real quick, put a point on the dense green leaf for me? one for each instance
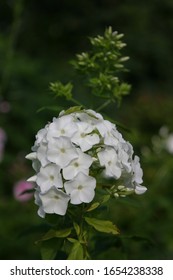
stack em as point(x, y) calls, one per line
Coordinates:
point(102, 225)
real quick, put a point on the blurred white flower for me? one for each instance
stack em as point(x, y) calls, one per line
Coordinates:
point(163, 141)
point(169, 143)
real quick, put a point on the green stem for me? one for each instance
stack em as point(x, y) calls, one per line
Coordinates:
point(104, 105)
point(76, 102)
point(83, 232)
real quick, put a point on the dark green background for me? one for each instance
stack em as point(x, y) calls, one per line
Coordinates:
point(37, 39)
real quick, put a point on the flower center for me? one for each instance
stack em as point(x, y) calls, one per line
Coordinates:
point(51, 177)
point(62, 131)
point(80, 187)
point(62, 150)
point(56, 197)
point(76, 164)
point(82, 135)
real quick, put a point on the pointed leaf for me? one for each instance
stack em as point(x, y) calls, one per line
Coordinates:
point(77, 228)
point(102, 225)
point(56, 233)
point(73, 109)
point(93, 206)
point(76, 252)
point(105, 198)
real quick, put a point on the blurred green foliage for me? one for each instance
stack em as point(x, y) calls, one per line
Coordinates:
point(37, 38)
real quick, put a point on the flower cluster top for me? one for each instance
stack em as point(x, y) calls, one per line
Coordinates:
point(70, 155)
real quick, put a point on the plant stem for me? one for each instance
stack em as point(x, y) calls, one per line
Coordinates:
point(103, 105)
point(76, 102)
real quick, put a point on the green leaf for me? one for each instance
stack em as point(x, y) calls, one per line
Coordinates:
point(48, 249)
point(102, 225)
point(72, 240)
point(77, 228)
point(76, 252)
point(105, 198)
point(93, 206)
point(55, 234)
point(73, 109)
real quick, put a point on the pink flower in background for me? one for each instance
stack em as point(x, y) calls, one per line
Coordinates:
point(2, 142)
point(19, 188)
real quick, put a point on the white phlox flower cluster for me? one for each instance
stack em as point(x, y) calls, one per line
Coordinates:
point(71, 151)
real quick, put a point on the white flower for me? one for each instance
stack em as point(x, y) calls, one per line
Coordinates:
point(93, 113)
point(134, 179)
point(31, 156)
point(81, 188)
point(137, 171)
point(38, 202)
point(41, 134)
point(125, 156)
point(88, 116)
point(71, 148)
point(80, 164)
point(105, 129)
point(32, 179)
point(63, 126)
point(54, 201)
point(48, 177)
point(108, 158)
point(41, 154)
point(84, 138)
point(61, 151)
point(35, 162)
point(140, 189)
